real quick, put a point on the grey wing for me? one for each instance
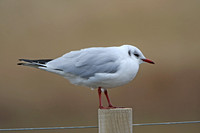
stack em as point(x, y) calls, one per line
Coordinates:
point(87, 62)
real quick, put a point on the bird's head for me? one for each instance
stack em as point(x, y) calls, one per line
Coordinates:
point(137, 55)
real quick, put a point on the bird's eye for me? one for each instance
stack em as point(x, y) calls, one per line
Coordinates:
point(137, 55)
point(129, 52)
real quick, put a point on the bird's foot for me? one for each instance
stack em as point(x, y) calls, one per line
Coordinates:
point(114, 106)
point(101, 107)
point(109, 107)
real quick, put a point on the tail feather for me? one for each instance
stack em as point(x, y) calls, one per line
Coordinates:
point(41, 61)
point(34, 63)
point(40, 64)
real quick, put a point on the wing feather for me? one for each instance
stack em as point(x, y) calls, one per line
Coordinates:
point(87, 62)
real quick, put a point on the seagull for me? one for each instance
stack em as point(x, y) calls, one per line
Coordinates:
point(96, 67)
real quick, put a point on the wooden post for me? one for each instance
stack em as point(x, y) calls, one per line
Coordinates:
point(117, 120)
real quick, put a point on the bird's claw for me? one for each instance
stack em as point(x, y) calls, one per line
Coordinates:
point(109, 107)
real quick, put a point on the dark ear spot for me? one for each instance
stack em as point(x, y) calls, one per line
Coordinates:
point(129, 53)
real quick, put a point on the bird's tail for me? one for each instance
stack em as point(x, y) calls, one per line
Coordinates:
point(34, 63)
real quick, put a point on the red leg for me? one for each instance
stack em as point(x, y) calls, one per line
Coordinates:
point(109, 103)
point(99, 92)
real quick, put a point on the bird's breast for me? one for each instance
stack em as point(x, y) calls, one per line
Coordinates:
point(128, 70)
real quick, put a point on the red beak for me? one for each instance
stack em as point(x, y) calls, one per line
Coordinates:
point(148, 61)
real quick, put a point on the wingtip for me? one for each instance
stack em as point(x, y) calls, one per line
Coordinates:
point(20, 63)
point(23, 60)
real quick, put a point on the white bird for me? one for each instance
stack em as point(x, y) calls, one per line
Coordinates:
point(96, 67)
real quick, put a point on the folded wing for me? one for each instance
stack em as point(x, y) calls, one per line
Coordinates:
point(87, 62)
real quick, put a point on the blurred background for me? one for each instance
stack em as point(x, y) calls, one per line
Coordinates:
point(166, 31)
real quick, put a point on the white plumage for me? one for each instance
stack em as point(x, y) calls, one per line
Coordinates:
point(98, 67)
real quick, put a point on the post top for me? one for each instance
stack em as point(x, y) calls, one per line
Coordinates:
point(116, 109)
point(116, 120)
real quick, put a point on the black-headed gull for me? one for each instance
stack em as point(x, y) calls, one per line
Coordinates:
point(96, 67)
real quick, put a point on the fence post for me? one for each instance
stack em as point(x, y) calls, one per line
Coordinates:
point(117, 120)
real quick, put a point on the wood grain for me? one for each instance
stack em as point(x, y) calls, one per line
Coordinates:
point(117, 120)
